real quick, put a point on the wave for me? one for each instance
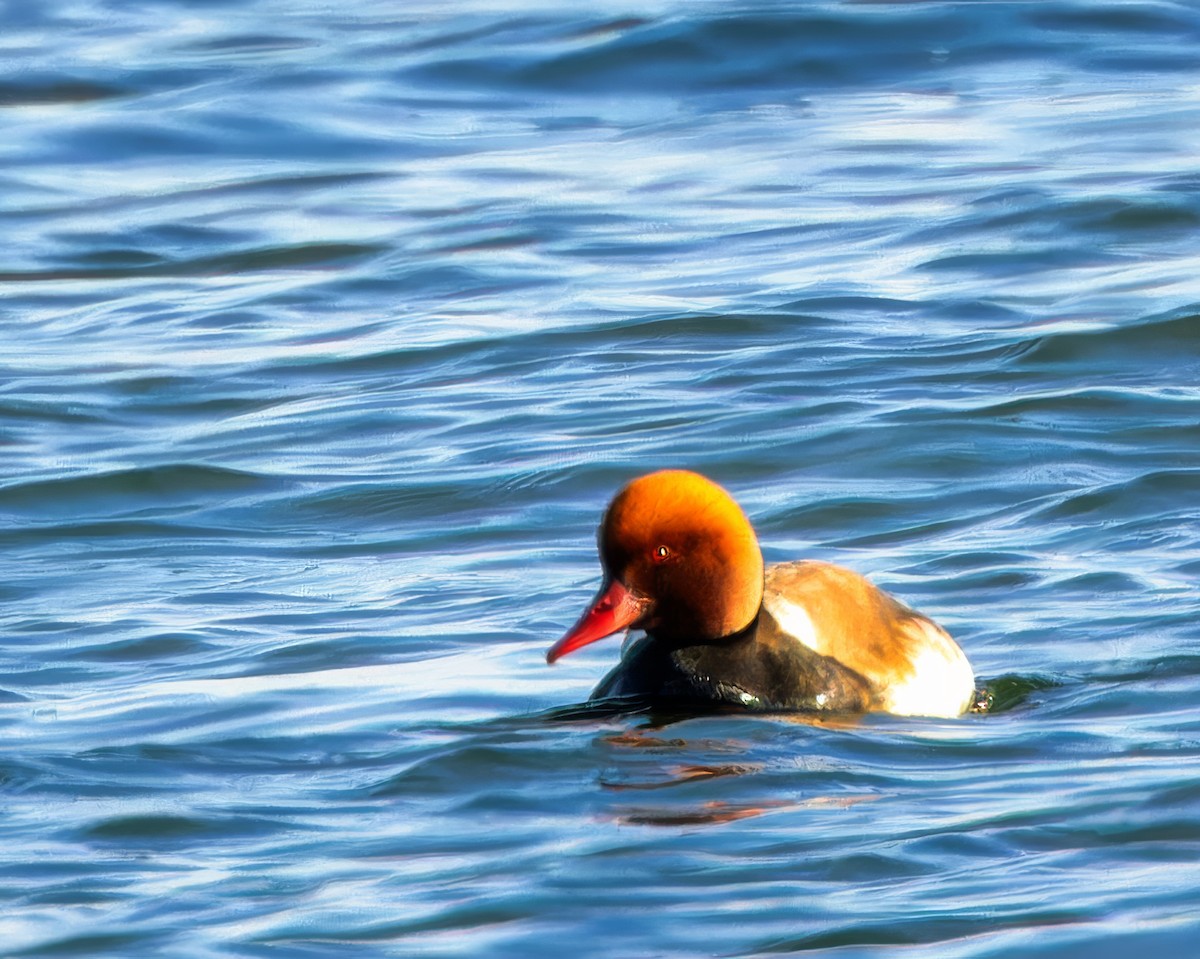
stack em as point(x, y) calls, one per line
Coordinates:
point(745, 46)
point(136, 490)
point(1172, 339)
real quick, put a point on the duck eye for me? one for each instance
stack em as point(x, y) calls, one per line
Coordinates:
point(661, 554)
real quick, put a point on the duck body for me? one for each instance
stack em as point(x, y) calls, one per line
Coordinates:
point(682, 562)
point(826, 639)
point(760, 668)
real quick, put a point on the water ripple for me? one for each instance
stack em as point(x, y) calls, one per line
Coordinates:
point(327, 338)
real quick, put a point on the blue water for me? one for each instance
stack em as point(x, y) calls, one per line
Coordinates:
point(326, 333)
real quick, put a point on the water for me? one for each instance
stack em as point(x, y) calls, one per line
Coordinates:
point(327, 334)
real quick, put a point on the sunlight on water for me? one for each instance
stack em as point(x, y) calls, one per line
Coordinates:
point(328, 336)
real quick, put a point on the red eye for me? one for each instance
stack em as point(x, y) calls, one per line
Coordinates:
point(661, 554)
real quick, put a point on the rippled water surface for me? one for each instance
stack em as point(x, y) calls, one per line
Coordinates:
point(328, 331)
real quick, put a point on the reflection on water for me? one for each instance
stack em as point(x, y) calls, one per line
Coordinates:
point(327, 336)
point(712, 813)
point(651, 767)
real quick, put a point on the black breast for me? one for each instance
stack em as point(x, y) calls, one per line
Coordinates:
point(759, 668)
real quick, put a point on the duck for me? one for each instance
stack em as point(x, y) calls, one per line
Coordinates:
point(682, 563)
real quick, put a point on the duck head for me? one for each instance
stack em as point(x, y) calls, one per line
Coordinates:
point(680, 561)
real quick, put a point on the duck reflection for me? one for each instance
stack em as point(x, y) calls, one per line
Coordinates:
point(644, 762)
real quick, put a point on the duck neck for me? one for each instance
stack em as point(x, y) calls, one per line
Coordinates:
point(668, 639)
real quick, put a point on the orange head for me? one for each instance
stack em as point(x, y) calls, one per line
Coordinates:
point(680, 560)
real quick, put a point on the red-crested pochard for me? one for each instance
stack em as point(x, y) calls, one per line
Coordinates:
point(681, 562)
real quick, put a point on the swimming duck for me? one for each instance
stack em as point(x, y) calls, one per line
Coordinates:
point(682, 562)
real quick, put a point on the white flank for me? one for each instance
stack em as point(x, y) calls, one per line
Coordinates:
point(793, 619)
point(941, 684)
